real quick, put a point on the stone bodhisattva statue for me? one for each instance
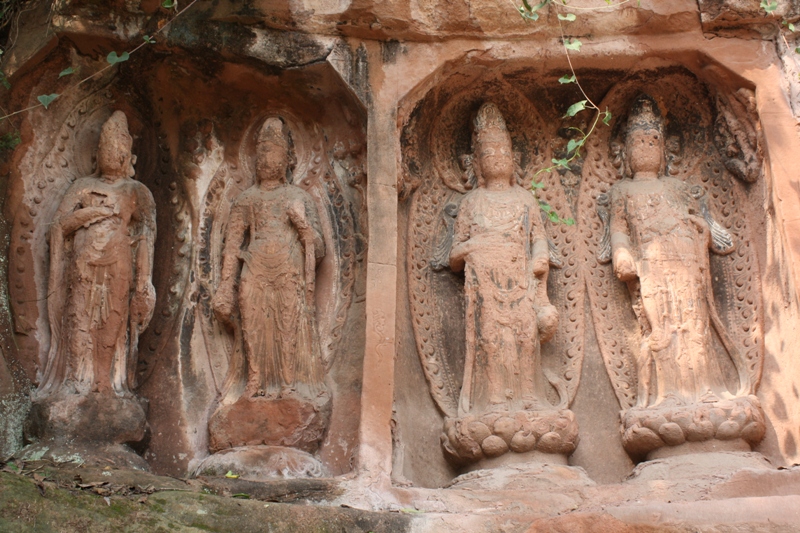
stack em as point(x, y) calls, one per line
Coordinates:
point(661, 234)
point(275, 405)
point(500, 244)
point(100, 299)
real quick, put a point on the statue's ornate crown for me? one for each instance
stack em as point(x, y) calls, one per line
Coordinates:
point(489, 122)
point(272, 132)
point(645, 114)
point(115, 129)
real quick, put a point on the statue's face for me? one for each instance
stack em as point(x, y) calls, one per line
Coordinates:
point(272, 161)
point(114, 158)
point(495, 159)
point(645, 150)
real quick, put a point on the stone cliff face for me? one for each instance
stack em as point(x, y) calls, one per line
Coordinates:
point(365, 290)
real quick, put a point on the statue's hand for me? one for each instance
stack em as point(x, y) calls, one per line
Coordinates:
point(142, 305)
point(222, 303)
point(90, 215)
point(546, 322)
point(541, 265)
point(624, 267)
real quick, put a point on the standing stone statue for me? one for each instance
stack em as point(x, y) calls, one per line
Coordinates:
point(499, 243)
point(100, 298)
point(274, 397)
point(661, 233)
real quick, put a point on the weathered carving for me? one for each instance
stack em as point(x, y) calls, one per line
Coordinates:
point(435, 140)
point(100, 299)
point(738, 134)
point(502, 396)
point(658, 236)
point(274, 393)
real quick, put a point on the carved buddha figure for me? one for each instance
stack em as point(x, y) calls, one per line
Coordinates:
point(500, 244)
point(272, 246)
point(101, 260)
point(661, 234)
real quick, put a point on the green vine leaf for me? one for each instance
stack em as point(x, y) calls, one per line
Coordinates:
point(66, 72)
point(575, 108)
point(529, 12)
point(573, 144)
point(573, 44)
point(567, 78)
point(149, 40)
point(768, 6)
point(537, 184)
point(169, 4)
point(113, 58)
point(563, 163)
point(569, 17)
point(606, 117)
point(46, 99)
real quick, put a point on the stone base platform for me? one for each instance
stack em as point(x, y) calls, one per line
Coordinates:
point(262, 463)
point(471, 438)
point(648, 429)
point(95, 417)
point(290, 421)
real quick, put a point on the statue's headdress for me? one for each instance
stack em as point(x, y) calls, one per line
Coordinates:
point(114, 130)
point(115, 145)
point(489, 123)
point(645, 114)
point(272, 132)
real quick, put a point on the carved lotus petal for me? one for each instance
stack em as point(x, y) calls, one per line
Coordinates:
point(494, 446)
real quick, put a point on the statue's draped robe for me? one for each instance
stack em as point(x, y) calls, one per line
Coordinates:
point(671, 295)
point(280, 348)
point(92, 277)
point(502, 366)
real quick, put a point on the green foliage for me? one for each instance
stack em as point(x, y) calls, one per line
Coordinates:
point(66, 72)
point(149, 40)
point(576, 108)
point(531, 12)
point(169, 4)
point(8, 142)
point(768, 6)
point(113, 58)
point(46, 99)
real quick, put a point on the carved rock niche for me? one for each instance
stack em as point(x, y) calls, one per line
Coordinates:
point(687, 385)
point(198, 154)
point(83, 230)
point(280, 241)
